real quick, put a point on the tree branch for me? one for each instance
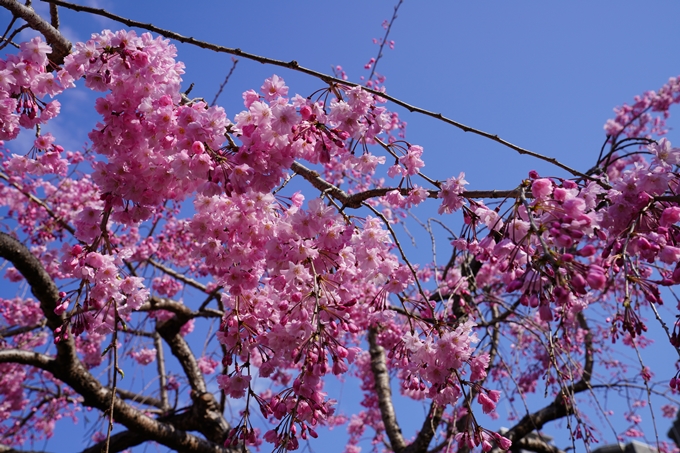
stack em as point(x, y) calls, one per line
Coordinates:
point(68, 368)
point(137, 398)
point(177, 275)
point(60, 45)
point(157, 303)
point(42, 286)
point(6, 449)
point(382, 389)
point(118, 442)
point(54, 16)
point(211, 421)
point(354, 201)
point(31, 358)
point(536, 444)
point(11, 331)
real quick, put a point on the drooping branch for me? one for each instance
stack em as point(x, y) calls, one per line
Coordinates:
point(295, 66)
point(226, 80)
point(60, 45)
point(561, 405)
point(384, 392)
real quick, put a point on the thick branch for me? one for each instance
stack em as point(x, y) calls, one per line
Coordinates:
point(211, 422)
point(293, 65)
point(42, 286)
point(6, 449)
point(382, 389)
point(31, 358)
point(118, 442)
point(60, 45)
point(537, 445)
point(54, 16)
point(169, 331)
point(12, 331)
point(158, 303)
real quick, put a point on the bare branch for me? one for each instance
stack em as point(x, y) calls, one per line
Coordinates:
point(141, 399)
point(354, 201)
point(31, 358)
point(384, 392)
point(54, 16)
point(11, 331)
point(60, 45)
point(162, 380)
point(536, 444)
point(118, 442)
point(177, 275)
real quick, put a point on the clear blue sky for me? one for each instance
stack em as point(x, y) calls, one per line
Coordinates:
point(543, 75)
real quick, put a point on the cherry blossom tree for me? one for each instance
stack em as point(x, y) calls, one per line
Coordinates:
point(543, 283)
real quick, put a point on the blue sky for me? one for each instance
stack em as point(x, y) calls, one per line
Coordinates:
point(543, 75)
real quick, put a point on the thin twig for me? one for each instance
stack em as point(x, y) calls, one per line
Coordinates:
point(226, 80)
point(384, 40)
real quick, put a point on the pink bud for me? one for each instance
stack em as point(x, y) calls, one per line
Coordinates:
point(503, 442)
point(305, 112)
point(588, 250)
point(545, 313)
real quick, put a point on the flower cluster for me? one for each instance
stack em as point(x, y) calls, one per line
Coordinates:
point(24, 81)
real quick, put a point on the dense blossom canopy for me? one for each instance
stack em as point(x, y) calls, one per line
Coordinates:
point(302, 286)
